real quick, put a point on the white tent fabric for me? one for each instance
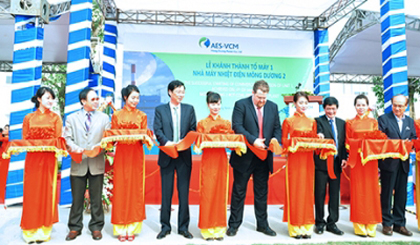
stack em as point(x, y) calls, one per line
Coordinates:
point(362, 54)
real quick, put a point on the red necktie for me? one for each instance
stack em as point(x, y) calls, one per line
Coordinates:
point(260, 123)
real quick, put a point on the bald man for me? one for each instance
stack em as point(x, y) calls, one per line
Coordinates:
point(394, 172)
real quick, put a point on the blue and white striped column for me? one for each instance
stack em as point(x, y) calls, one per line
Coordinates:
point(394, 50)
point(26, 79)
point(410, 180)
point(78, 61)
point(322, 65)
point(109, 58)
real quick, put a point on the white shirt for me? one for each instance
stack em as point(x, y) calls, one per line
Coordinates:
point(174, 119)
point(400, 122)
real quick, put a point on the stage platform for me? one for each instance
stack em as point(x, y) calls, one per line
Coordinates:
point(10, 232)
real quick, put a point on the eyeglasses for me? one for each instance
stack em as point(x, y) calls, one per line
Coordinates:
point(95, 99)
point(398, 106)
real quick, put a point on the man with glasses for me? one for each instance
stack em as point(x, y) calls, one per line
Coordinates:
point(83, 131)
point(394, 172)
point(172, 122)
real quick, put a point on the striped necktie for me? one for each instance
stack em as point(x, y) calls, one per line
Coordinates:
point(88, 121)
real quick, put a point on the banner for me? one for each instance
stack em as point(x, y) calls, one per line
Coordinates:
point(228, 65)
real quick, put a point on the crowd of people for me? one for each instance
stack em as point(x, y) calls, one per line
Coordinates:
point(254, 117)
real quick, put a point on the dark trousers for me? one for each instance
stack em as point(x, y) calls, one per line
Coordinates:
point(321, 181)
point(78, 188)
point(260, 171)
point(390, 181)
point(183, 173)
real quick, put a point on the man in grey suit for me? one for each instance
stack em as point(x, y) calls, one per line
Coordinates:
point(83, 131)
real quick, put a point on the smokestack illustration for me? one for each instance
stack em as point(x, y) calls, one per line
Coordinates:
point(133, 74)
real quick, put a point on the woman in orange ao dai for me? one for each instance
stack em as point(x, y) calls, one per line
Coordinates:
point(40, 202)
point(365, 203)
point(213, 175)
point(128, 206)
point(300, 171)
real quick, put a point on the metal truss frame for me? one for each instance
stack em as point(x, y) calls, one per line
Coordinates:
point(5, 7)
point(351, 78)
point(412, 23)
point(47, 67)
point(359, 21)
point(355, 78)
point(108, 7)
point(55, 9)
point(6, 66)
point(277, 22)
point(60, 8)
point(337, 11)
point(232, 20)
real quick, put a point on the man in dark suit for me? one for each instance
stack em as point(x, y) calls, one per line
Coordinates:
point(329, 127)
point(394, 172)
point(171, 124)
point(258, 120)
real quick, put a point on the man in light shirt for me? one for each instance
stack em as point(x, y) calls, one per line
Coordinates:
point(394, 172)
point(173, 121)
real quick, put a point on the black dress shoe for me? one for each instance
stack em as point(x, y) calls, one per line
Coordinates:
point(209, 239)
point(306, 236)
point(319, 229)
point(186, 234)
point(163, 234)
point(334, 229)
point(267, 230)
point(298, 237)
point(361, 235)
point(219, 238)
point(231, 231)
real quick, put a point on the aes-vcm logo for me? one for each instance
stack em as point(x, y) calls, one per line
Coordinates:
point(206, 43)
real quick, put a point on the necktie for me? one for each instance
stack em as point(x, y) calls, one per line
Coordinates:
point(260, 123)
point(88, 121)
point(333, 130)
point(176, 129)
